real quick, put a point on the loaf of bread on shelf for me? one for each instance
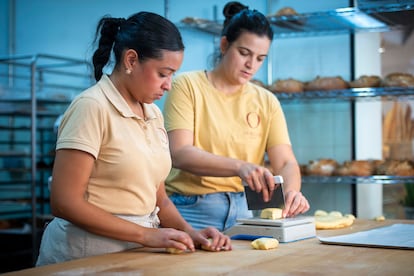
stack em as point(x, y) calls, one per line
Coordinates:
point(356, 168)
point(396, 167)
point(399, 80)
point(194, 20)
point(326, 83)
point(366, 81)
point(289, 85)
point(286, 11)
point(321, 167)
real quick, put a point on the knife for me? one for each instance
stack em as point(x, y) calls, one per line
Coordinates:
point(255, 200)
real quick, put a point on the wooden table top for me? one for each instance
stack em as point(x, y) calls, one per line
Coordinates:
point(306, 257)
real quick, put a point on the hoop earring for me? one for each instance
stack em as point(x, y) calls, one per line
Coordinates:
point(128, 71)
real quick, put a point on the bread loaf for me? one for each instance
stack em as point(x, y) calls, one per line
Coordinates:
point(326, 83)
point(322, 167)
point(286, 11)
point(366, 81)
point(287, 86)
point(355, 168)
point(399, 80)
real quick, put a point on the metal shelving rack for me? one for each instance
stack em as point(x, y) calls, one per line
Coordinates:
point(34, 91)
point(339, 21)
point(350, 94)
point(369, 16)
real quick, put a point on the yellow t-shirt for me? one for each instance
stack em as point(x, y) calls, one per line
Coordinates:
point(132, 155)
point(242, 126)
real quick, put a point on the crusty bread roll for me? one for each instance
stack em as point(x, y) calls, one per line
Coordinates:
point(286, 11)
point(322, 167)
point(326, 83)
point(366, 81)
point(355, 168)
point(399, 79)
point(194, 20)
point(396, 167)
point(287, 86)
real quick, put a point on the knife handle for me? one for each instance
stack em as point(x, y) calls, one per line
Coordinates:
point(277, 178)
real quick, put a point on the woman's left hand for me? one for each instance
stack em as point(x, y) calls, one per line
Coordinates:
point(295, 204)
point(211, 239)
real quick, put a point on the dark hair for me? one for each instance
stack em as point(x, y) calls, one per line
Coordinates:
point(239, 18)
point(145, 32)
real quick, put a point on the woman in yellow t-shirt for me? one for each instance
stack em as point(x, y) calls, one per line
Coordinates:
point(221, 125)
point(112, 154)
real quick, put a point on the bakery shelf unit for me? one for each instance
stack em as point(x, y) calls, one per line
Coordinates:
point(34, 91)
point(366, 18)
point(352, 94)
point(374, 179)
point(369, 16)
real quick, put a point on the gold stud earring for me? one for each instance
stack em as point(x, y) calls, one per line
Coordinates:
point(128, 71)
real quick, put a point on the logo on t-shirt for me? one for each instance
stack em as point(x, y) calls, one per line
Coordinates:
point(253, 119)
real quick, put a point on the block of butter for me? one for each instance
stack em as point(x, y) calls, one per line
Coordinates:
point(271, 213)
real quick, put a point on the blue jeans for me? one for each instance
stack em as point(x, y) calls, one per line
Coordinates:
point(220, 210)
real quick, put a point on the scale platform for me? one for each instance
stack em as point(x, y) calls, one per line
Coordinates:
point(284, 230)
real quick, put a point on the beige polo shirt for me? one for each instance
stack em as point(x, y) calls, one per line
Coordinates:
point(132, 155)
point(242, 126)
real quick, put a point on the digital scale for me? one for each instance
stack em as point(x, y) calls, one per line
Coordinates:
point(284, 230)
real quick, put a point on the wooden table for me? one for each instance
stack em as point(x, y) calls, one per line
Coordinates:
point(306, 257)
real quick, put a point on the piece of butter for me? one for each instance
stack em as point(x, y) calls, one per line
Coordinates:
point(271, 213)
point(265, 243)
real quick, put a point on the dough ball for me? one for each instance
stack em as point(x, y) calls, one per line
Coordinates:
point(351, 216)
point(335, 214)
point(265, 243)
point(379, 218)
point(319, 213)
point(332, 220)
point(208, 247)
point(173, 250)
point(329, 222)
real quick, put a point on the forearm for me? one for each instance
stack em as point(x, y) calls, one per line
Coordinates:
point(200, 162)
point(283, 162)
point(291, 175)
point(170, 216)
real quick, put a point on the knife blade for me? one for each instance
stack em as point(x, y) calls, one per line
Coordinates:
point(255, 200)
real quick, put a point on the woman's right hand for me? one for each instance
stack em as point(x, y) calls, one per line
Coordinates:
point(167, 238)
point(258, 178)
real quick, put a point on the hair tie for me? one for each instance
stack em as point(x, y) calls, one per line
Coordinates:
point(121, 21)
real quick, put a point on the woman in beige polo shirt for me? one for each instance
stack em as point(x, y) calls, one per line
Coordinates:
point(112, 153)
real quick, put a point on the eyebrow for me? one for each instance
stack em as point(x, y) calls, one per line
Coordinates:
point(250, 51)
point(168, 68)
